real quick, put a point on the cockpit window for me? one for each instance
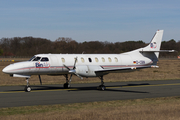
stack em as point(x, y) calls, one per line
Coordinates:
point(37, 59)
point(32, 58)
point(44, 59)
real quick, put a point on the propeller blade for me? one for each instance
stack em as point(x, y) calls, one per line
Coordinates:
point(79, 76)
point(70, 78)
point(75, 63)
point(66, 66)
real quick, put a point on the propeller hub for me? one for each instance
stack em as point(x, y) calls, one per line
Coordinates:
point(72, 71)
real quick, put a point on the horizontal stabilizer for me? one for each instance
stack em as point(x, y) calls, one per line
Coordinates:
point(154, 66)
point(159, 51)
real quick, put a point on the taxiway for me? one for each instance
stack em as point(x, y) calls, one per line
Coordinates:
point(14, 96)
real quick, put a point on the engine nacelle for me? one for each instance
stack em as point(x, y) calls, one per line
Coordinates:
point(18, 75)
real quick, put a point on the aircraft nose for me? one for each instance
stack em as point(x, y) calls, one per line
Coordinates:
point(5, 70)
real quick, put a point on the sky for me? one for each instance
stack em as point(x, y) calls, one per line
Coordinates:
point(90, 20)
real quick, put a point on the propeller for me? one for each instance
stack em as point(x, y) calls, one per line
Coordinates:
point(73, 71)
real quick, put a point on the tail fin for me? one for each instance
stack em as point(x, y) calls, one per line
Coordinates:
point(155, 43)
point(152, 50)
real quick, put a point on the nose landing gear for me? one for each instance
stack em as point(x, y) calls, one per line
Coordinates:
point(27, 87)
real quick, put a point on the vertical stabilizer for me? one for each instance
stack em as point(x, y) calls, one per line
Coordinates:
point(155, 44)
point(152, 50)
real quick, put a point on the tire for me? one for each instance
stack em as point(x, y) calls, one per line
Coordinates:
point(101, 87)
point(66, 86)
point(27, 88)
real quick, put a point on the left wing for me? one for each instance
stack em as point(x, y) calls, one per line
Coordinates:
point(123, 69)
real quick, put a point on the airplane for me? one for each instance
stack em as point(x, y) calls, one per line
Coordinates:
point(87, 65)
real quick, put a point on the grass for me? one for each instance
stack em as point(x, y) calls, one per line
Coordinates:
point(151, 108)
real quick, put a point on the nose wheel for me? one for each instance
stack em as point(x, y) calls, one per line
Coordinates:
point(27, 87)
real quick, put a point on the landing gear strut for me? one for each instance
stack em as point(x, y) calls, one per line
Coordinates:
point(67, 84)
point(27, 87)
point(101, 87)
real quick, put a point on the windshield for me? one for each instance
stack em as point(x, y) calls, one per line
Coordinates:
point(37, 59)
point(34, 58)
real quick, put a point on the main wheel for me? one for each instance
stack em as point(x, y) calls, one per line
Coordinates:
point(27, 89)
point(101, 87)
point(66, 85)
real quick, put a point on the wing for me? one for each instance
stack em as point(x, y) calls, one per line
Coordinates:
point(123, 69)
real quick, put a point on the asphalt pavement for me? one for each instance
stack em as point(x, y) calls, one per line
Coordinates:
point(14, 96)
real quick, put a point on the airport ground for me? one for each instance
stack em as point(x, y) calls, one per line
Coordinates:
point(148, 108)
point(138, 109)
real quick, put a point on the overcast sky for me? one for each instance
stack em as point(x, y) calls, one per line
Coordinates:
point(90, 20)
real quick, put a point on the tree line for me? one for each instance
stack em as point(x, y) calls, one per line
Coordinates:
point(29, 46)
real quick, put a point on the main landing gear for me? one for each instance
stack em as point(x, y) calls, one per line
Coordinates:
point(101, 87)
point(27, 87)
point(67, 84)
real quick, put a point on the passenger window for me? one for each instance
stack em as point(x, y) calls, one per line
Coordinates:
point(116, 60)
point(44, 59)
point(63, 60)
point(37, 59)
point(89, 59)
point(82, 59)
point(103, 59)
point(109, 59)
point(96, 59)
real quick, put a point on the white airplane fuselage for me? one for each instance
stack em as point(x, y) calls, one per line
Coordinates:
point(86, 64)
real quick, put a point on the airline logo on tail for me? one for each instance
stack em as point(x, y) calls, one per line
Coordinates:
point(153, 45)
